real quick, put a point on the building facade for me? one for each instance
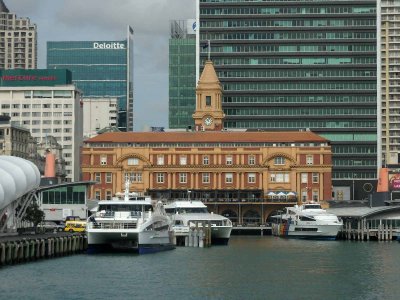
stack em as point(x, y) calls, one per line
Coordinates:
point(47, 103)
point(18, 41)
point(290, 65)
point(388, 30)
point(212, 165)
point(15, 140)
point(182, 73)
point(100, 69)
point(99, 113)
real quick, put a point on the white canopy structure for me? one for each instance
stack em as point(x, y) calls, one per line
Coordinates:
point(18, 176)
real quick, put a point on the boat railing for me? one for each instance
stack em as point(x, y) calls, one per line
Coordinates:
point(112, 225)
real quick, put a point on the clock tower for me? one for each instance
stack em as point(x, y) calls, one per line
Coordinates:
point(208, 114)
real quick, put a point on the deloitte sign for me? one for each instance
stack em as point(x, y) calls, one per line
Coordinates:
point(112, 45)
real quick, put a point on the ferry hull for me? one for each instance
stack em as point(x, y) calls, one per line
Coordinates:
point(220, 235)
point(323, 232)
point(140, 242)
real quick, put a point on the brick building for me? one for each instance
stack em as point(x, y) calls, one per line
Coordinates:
point(259, 169)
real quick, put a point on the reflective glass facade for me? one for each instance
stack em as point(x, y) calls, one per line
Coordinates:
point(182, 75)
point(182, 78)
point(296, 64)
point(100, 69)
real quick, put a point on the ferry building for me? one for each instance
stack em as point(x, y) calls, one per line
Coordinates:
point(236, 173)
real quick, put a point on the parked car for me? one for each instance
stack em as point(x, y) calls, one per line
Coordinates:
point(50, 226)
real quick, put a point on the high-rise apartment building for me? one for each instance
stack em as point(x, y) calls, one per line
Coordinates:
point(100, 69)
point(18, 41)
point(182, 73)
point(293, 65)
point(48, 104)
point(388, 29)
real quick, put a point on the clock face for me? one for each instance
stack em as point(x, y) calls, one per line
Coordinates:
point(208, 121)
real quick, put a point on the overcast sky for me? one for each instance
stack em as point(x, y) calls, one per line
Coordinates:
point(74, 20)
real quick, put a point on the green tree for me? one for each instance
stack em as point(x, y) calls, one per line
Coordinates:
point(33, 214)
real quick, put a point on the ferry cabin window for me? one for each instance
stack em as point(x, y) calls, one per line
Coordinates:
point(192, 210)
point(312, 206)
point(170, 210)
point(304, 218)
point(125, 207)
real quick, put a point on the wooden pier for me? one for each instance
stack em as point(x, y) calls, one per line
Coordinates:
point(21, 249)
point(363, 231)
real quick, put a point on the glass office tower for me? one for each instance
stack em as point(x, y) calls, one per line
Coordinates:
point(293, 65)
point(100, 69)
point(182, 74)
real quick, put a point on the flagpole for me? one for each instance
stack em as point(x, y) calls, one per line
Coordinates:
point(209, 50)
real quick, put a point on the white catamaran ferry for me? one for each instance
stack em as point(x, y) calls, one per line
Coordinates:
point(131, 223)
point(188, 213)
point(307, 221)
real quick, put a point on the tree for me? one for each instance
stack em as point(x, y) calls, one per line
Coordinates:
point(33, 214)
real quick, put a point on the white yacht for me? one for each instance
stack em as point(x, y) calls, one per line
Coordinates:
point(307, 221)
point(187, 213)
point(131, 223)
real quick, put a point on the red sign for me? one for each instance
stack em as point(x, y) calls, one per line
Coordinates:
point(27, 78)
point(52, 209)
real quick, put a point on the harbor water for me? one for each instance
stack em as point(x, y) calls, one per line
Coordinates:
point(250, 267)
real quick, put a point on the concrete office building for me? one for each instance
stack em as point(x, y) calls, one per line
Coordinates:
point(47, 103)
point(100, 69)
point(293, 65)
point(18, 41)
point(182, 73)
point(99, 113)
point(388, 30)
